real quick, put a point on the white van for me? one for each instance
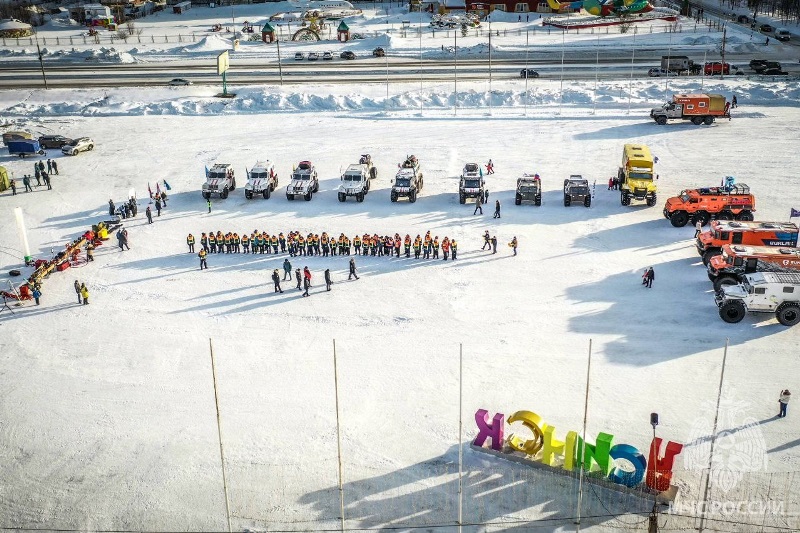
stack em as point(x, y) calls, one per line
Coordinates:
point(782, 34)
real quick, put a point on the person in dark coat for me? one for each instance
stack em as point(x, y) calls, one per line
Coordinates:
point(494, 244)
point(299, 278)
point(352, 269)
point(13, 185)
point(276, 280)
point(149, 214)
point(47, 181)
point(287, 269)
point(783, 401)
point(38, 175)
point(478, 204)
point(306, 285)
point(55, 167)
point(111, 208)
point(41, 166)
point(328, 281)
point(497, 209)
point(26, 181)
point(78, 291)
point(164, 198)
point(158, 206)
point(649, 276)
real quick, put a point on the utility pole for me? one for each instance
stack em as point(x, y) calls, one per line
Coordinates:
point(722, 68)
point(41, 62)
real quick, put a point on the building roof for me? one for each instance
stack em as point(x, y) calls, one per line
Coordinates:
point(13, 24)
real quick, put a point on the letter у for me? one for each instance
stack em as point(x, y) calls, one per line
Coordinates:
point(493, 430)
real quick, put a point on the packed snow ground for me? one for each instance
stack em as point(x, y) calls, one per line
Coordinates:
point(107, 410)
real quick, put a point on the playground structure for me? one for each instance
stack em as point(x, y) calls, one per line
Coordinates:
point(312, 25)
point(583, 21)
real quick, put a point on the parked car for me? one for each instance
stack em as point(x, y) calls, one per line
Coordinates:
point(763, 65)
point(658, 72)
point(347, 54)
point(782, 34)
point(53, 141)
point(716, 67)
point(379, 52)
point(528, 73)
point(81, 144)
point(766, 28)
point(743, 19)
point(774, 72)
point(327, 55)
point(299, 56)
point(313, 56)
point(179, 81)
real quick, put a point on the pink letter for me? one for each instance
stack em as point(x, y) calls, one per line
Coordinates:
point(486, 430)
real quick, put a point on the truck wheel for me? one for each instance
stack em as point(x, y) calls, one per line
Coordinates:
point(788, 313)
point(701, 216)
point(307, 197)
point(206, 195)
point(517, 200)
point(290, 197)
point(412, 196)
point(360, 197)
point(661, 120)
point(267, 193)
point(725, 215)
point(723, 281)
point(373, 173)
point(248, 194)
point(708, 121)
point(316, 187)
point(732, 311)
point(224, 193)
point(652, 201)
point(537, 201)
point(708, 254)
point(587, 201)
point(697, 120)
point(567, 201)
point(625, 199)
point(679, 219)
point(393, 196)
point(366, 188)
point(233, 184)
point(462, 199)
point(745, 215)
point(342, 197)
point(420, 183)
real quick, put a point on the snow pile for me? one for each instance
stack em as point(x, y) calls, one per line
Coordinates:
point(102, 54)
point(212, 43)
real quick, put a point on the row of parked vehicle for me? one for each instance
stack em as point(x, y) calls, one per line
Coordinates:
point(22, 144)
point(327, 55)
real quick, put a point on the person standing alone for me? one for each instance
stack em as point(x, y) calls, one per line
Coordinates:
point(649, 276)
point(478, 204)
point(352, 269)
point(783, 402)
point(497, 209)
point(276, 280)
point(328, 281)
point(85, 294)
point(78, 291)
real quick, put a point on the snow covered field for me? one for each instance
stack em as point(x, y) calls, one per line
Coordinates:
point(107, 417)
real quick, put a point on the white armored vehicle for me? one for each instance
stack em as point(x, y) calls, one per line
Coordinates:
point(304, 182)
point(261, 179)
point(762, 292)
point(219, 180)
point(366, 159)
point(408, 180)
point(471, 184)
point(355, 182)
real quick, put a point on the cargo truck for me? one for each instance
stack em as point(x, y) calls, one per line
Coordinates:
point(699, 108)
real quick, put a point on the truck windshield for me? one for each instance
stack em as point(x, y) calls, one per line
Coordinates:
point(579, 190)
point(298, 176)
point(352, 177)
point(403, 182)
point(640, 176)
point(258, 175)
point(527, 188)
point(727, 258)
point(472, 184)
point(684, 196)
point(220, 175)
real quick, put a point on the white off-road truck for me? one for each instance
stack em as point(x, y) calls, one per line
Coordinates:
point(408, 180)
point(304, 182)
point(762, 292)
point(219, 180)
point(471, 183)
point(261, 179)
point(355, 182)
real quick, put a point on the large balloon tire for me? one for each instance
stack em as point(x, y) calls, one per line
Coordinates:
point(732, 311)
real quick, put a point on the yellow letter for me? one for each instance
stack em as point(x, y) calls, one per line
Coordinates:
point(533, 422)
point(569, 451)
point(552, 446)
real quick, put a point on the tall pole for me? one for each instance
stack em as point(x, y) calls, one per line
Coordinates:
point(527, 40)
point(386, 57)
point(703, 71)
point(41, 61)
point(713, 438)
point(669, 54)
point(280, 68)
point(722, 68)
point(460, 436)
point(561, 89)
point(455, 72)
point(490, 66)
point(630, 84)
point(583, 441)
point(219, 436)
point(420, 60)
point(338, 435)
point(596, 74)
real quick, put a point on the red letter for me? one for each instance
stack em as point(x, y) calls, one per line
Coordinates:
point(659, 469)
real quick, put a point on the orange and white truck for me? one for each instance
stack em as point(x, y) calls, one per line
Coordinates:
point(710, 203)
point(737, 260)
point(699, 108)
point(722, 232)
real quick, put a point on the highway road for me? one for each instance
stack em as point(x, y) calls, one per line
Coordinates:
point(369, 70)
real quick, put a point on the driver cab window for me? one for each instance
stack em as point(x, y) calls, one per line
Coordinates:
point(737, 238)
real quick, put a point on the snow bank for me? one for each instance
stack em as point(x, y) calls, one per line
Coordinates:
point(212, 43)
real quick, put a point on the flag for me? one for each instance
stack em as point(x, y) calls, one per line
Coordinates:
point(158, 190)
point(794, 213)
point(206, 170)
point(481, 171)
point(149, 190)
point(166, 186)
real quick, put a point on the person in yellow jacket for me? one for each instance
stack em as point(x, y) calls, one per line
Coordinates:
point(454, 248)
point(212, 242)
point(85, 294)
point(190, 242)
point(417, 246)
point(436, 247)
point(274, 241)
point(513, 244)
point(246, 243)
point(202, 256)
point(237, 248)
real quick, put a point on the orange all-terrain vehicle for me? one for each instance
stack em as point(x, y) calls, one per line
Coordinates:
point(737, 260)
point(722, 232)
point(710, 203)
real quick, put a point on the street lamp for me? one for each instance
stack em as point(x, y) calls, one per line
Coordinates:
point(41, 62)
point(653, 520)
